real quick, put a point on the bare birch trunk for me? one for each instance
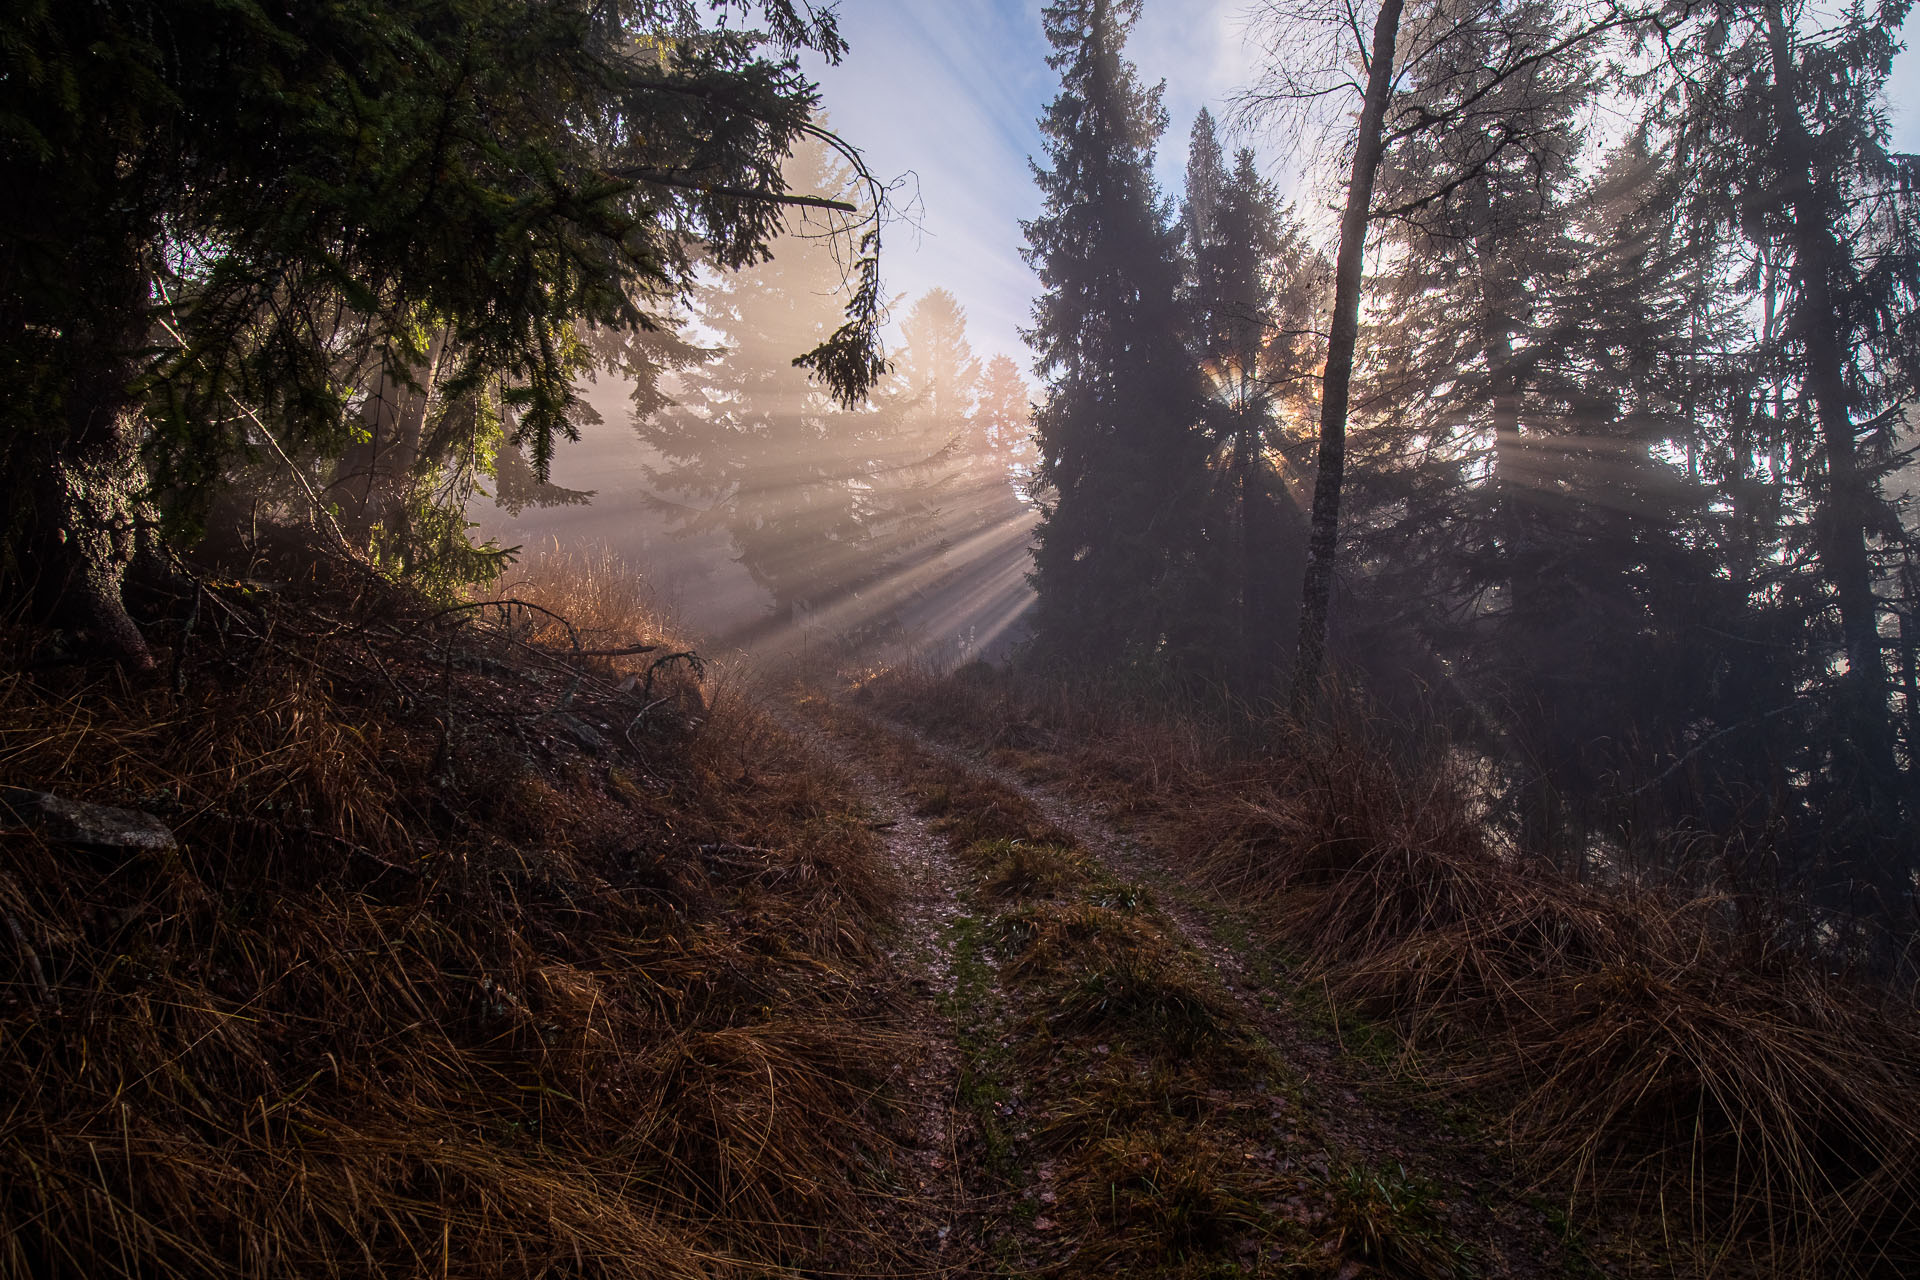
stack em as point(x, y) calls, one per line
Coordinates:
point(1336, 382)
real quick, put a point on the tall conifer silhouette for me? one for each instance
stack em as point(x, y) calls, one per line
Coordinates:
point(1253, 289)
point(754, 446)
point(1120, 452)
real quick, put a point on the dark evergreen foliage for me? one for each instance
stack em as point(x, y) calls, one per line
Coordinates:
point(1621, 493)
point(1121, 454)
point(208, 209)
point(1254, 293)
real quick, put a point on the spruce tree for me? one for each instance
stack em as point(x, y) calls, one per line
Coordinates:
point(1781, 110)
point(950, 524)
point(928, 466)
point(207, 206)
point(914, 499)
point(1251, 297)
point(1819, 193)
point(1120, 452)
point(1003, 418)
point(936, 362)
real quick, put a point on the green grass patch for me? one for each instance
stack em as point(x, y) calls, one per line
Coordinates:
point(1395, 1220)
point(1012, 869)
point(986, 1068)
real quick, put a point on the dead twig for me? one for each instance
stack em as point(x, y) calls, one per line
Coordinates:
point(47, 997)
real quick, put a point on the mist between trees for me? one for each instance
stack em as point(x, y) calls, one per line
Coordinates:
point(1588, 437)
point(867, 525)
point(778, 518)
point(1586, 440)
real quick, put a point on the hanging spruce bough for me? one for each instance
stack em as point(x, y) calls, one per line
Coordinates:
point(208, 209)
point(1121, 458)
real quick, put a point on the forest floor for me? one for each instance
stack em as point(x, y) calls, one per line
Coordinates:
point(1119, 1079)
point(485, 943)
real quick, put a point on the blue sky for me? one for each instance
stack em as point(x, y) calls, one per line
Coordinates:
point(948, 91)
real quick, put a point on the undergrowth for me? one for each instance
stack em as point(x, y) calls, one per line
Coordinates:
point(1648, 1050)
point(475, 956)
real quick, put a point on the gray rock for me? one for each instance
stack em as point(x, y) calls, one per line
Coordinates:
point(91, 826)
point(583, 734)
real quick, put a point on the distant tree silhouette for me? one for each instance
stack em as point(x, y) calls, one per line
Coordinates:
point(753, 445)
point(1121, 456)
point(1252, 298)
point(915, 497)
point(1003, 418)
point(925, 464)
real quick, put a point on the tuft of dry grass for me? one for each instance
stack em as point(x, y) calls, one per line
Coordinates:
point(432, 983)
point(1171, 1192)
point(1647, 1052)
point(1019, 869)
point(1393, 1219)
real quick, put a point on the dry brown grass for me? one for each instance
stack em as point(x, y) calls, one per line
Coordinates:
point(1756, 1110)
point(1128, 1095)
point(428, 988)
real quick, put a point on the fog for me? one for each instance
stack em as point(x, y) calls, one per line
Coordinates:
point(769, 518)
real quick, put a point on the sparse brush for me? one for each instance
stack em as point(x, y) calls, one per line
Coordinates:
point(1135, 994)
point(604, 597)
point(1044, 939)
point(1394, 1220)
point(429, 987)
point(1780, 1114)
point(763, 1123)
point(1165, 1195)
point(1018, 869)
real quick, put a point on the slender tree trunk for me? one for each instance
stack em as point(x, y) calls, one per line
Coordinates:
point(1252, 597)
point(1867, 761)
point(1509, 465)
point(1909, 581)
point(1336, 382)
point(372, 477)
point(1910, 687)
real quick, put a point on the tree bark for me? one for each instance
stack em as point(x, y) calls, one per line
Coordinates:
point(1252, 593)
point(1336, 381)
point(1910, 670)
point(93, 519)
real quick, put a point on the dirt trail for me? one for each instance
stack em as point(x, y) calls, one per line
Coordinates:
point(1356, 1115)
point(1357, 1107)
point(940, 1201)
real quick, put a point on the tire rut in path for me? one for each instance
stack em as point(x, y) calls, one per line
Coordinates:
point(938, 1204)
point(1515, 1238)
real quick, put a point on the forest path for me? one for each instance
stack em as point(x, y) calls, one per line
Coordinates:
point(1335, 1168)
point(939, 1202)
